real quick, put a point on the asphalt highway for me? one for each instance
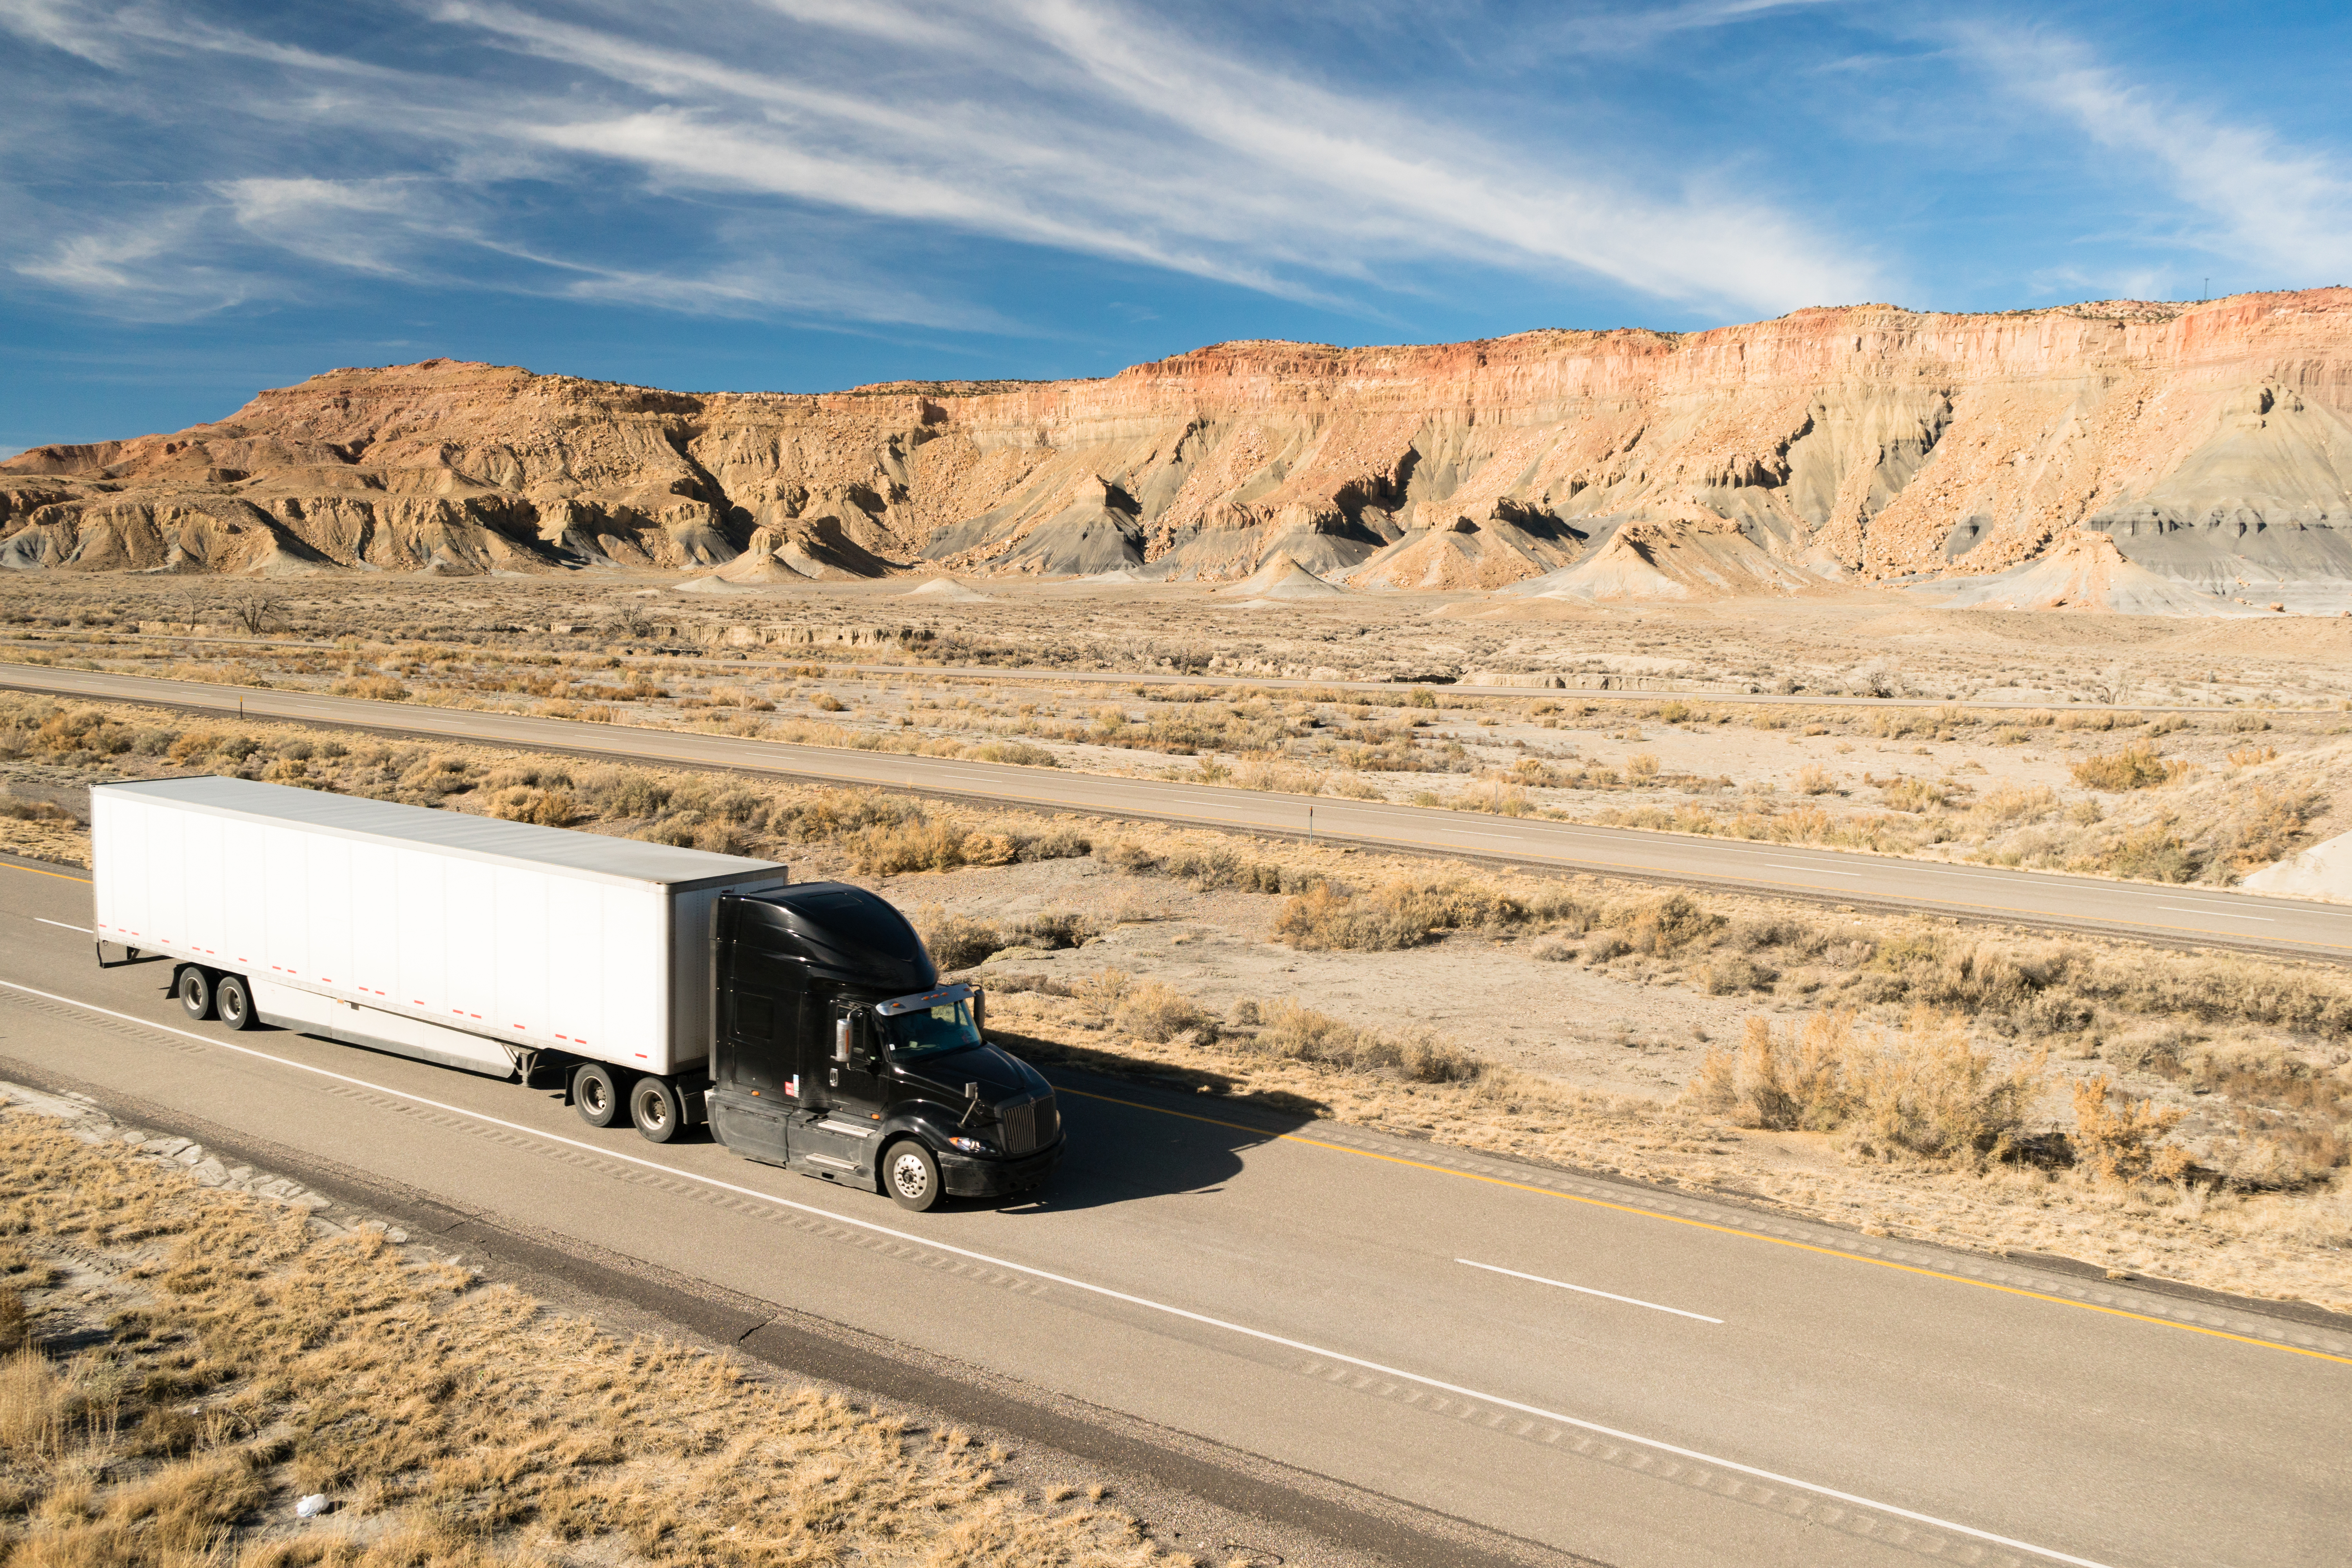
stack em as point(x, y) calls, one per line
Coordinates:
point(2181, 916)
point(1640, 1377)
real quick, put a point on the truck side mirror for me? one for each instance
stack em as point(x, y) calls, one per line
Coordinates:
point(980, 1011)
point(841, 1027)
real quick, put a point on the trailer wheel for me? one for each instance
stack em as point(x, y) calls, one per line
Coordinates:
point(596, 1095)
point(910, 1175)
point(196, 993)
point(653, 1106)
point(233, 1002)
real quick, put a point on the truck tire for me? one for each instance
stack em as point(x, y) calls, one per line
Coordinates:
point(196, 993)
point(596, 1095)
point(910, 1175)
point(653, 1107)
point(234, 1002)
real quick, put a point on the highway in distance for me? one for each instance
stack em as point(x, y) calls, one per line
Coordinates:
point(1642, 1377)
point(2177, 915)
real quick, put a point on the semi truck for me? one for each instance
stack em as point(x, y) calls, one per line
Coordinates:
point(803, 1024)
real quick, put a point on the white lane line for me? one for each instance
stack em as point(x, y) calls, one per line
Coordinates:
point(1587, 1289)
point(1261, 1335)
point(2219, 914)
point(1809, 870)
point(61, 925)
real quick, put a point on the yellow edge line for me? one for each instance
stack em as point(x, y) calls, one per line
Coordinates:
point(1640, 1213)
point(37, 872)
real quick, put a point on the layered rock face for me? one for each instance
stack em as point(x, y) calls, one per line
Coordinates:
point(2212, 442)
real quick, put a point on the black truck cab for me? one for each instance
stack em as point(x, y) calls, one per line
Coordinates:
point(837, 1053)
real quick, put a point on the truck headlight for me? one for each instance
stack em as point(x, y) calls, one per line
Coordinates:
point(972, 1145)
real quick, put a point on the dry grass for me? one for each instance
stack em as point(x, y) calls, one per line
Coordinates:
point(2133, 767)
point(250, 1362)
point(1923, 1091)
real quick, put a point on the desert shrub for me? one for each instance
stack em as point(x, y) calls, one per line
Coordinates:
point(1288, 1029)
point(1923, 1091)
point(955, 940)
point(1782, 1080)
point(826, 702)
point(1815, 779)
point(2118, 1138)
point(1404, 914)
point(1055, 929)
point(1669, 925)
point(1735, 972)
point(23, 810)
point(2133, 767)
point(1019, 751)
point(1155, 1011)
point(1642, 766)
point(1061, 844)
point(377, 688)
point(1913, 794)
point(920, 846)
point(625, 792)
point(1930, 1093)
point(2148, 854)
point(2011, 805)
point(2264, 824)
point(523, 803)
point(1323, 918)
point(1498, 795)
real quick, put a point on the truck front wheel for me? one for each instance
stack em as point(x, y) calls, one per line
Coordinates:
point(653, 1106)
point(233, 1002)
point(596, 1095)
point(196, 993)
point(910, 1175)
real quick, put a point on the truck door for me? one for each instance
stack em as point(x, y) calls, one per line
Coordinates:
point(755, 1054)
point(837, 1141)
point(854, 1075)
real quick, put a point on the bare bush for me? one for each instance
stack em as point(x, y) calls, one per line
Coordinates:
point(1923, 1091)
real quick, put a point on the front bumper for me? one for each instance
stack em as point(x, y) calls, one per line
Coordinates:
point(978, 1177)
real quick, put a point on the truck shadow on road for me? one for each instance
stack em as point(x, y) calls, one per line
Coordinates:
point(1141, 1130)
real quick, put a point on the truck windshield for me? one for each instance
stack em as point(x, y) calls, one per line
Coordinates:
point(927, 1031)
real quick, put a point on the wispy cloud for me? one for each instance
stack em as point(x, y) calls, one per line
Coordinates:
point(2248, 195)
point(1073, 125)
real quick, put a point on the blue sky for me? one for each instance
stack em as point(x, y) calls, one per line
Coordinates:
point(203, 199)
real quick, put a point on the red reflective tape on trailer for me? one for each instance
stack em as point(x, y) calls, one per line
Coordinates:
point(640, 1056)
point(518, 1026)
point(562, 1037)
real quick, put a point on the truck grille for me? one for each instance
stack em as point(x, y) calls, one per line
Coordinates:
point(1031, 1126)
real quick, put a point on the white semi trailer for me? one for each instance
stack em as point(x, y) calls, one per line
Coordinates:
point(467, 940)
point(804, 1023)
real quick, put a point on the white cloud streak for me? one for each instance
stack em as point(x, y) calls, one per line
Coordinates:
point(1068, 125)
point(2284, 211)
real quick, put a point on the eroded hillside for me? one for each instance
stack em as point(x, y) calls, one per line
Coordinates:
point(2213, 442)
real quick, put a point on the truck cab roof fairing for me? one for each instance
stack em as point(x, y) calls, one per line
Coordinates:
point(845, 930)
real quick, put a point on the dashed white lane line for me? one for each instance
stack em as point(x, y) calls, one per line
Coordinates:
point(61, 925)
point(1587, 1290)
point(1262, 1335)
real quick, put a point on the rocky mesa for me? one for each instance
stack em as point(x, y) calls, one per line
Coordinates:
point(2211, 443)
